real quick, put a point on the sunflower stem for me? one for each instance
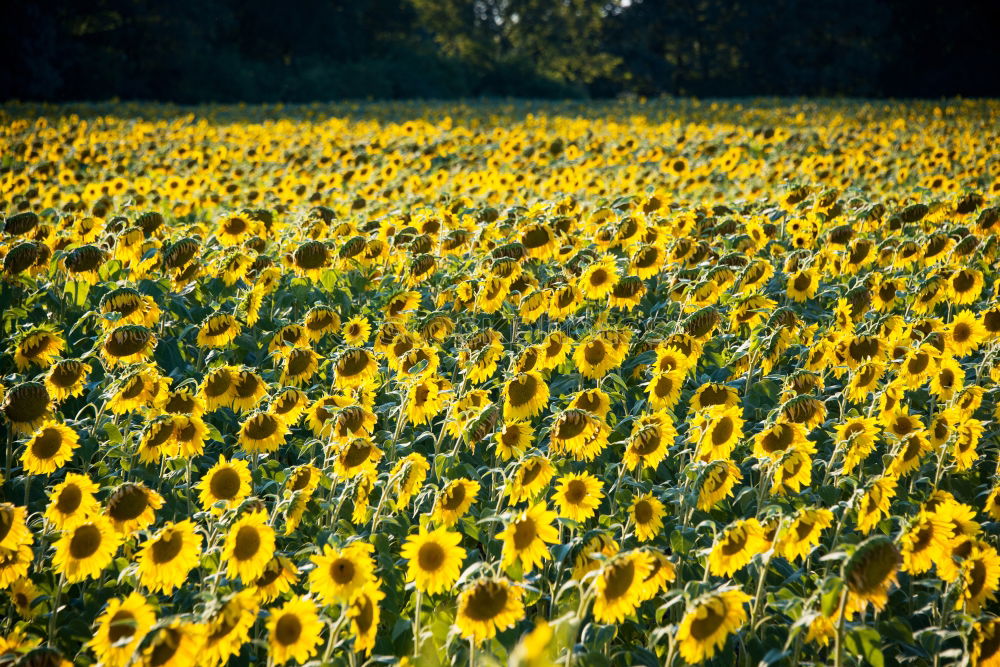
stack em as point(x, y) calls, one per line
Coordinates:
point(55, 609)
point(839, 655)
point(416, 623)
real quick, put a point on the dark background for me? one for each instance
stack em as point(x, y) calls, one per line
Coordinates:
point(191, 51)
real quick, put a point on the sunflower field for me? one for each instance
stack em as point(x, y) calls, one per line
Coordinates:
point(620, 383)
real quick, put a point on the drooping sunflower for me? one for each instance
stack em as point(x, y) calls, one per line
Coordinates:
point(301, 364)
point(72, 501)
point(716, 432)
point(293, 631)
point(621, 586)
point(354, 367)
point(802, 285)
point(341, 572)
point(426, 399)
point(736, 547)
point(871, 570)
point(967, 436)
point(488, 606)
point(410, 473)
point(278, 577)
point(708, 622)
point(434, 559)
point(127, 344)
point(804, 532)
point(86, 549)
point(246, 391)
point(965, 285)
point(320, 321)
point(262, 432)
point(365, 615)
point(248, 547)
point(218, 330)
point(792, 471)
point(713, 394)
point(13, 527)
point(664, 389)
point(66, 379)
point(226, 482)
point(228, 628)
point(26, 406)
point(455, 500)
point(594, 401)
point(142, 388)
point(985, 639)
point(651, 439)
point(166, 558)
point(647, 511)
point(531, 477)
point(775, 440)
point(121, 629)
point(132, 507)
point(857, 438)
point(597, 354)
point(578, 495)
point(174, 645)
point(51, 446)
point(288, 405)
point(38, 347)
point(716, 482)
point(926, 541)
point(527, 536)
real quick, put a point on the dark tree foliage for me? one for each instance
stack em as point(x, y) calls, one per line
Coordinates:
point(304, 50)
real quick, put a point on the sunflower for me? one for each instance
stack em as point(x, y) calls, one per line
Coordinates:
point(434, 559)
point(911, 451)
point(410, 473)
point(578, 495)
point(964, 334)
point(594, 401)
point(228, 628)
point(775, 440)
point(871, 570)
point(132, 507)
point(804, 532)
point(713, 394)
point(356, 331)
point(708, 622)
point(455, 500)
point(248, 547)
point(801, 285)
point(736, 547)
point(487, 606)
point(426, 399)
point(716, 482)
point(72, 501)
point(142, 388)
point(262, 432)
point(166, 558)
point(86, 549)
point(26, 406)
point(174, 645)
point(182, 401)
point(875, 502)
point(857, 436)
point(293, 631)
point(526, 537)
point(218, 330)
point(341, 572)
point(66, 379)
point(967, 436)
point(716, 432)
point(651, 438)
point(39, 348)
point(121, 628)
point(593, 554)
point(595, 355)
point(320, 321)
point(926, 541)
point(300, 366)
point(513, 439)
point(864, 380)
point(49, 448)
point(277, 579)
point(949, 379)
point(14, 530)
point(128, 344)
point(621, 586)
point(598, 279)
point(792, 471)
point(647, 512)
point(232, 229)
point(25, 597)
point(365, 615)
point(246, 391)
point(525, 395)
point(965, 285)
point(531, 477)
point(226, 482)
point(288, 405)
point(664, 389)
point(354, 367)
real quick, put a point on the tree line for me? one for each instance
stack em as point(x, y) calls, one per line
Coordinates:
point(191, 51)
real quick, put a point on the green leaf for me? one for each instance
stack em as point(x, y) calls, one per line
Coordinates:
point(865, 642)
point(114, 434)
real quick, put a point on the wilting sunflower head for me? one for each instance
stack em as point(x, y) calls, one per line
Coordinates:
point(871, 570)
point(25, 406)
